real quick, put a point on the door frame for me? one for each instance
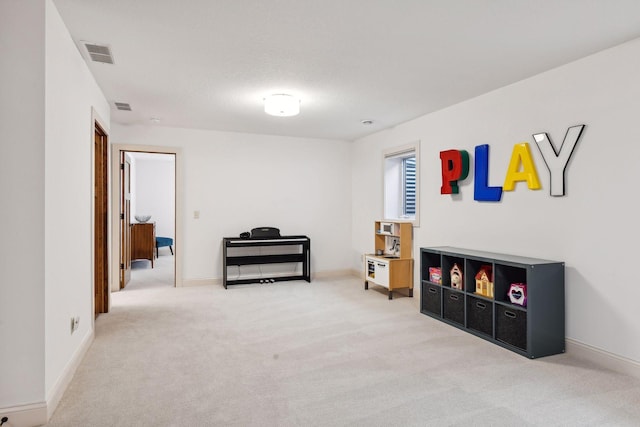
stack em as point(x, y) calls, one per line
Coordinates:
point(125, 218)
point(115, 208)
point(97, 124)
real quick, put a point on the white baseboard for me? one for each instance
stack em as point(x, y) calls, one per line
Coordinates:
point(330, 274)
point(57, 391)
point(31, 415)
point(201, 282)
point(37, 414)
point(316, 275)
point(602, 358)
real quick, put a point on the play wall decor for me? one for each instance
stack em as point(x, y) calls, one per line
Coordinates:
point(455, 167)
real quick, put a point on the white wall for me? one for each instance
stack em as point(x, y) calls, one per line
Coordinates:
point(154, 190)
point(46, 169)
point(71, 92)
point(593, 228)
point(240, 181)
point(22, 215)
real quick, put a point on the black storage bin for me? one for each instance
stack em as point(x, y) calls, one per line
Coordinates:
point(430, 295)
point(453, 306)
point(511, 326)
point(480, 315)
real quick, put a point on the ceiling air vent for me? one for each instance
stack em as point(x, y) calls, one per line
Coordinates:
point(99, 53)
point(123, 106)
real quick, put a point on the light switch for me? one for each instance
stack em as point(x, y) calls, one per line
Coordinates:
point(196, 214)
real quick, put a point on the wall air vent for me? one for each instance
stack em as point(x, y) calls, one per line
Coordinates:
point(99, 53)
point(123, 106)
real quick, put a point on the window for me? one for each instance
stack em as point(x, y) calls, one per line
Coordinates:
point(401, 201)
point(409, 186)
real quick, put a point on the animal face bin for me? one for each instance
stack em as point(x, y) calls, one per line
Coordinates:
point(456, 277)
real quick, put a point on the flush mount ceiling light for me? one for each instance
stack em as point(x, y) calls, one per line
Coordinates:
point(282, 105)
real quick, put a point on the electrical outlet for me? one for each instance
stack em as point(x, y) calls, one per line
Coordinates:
point(75, 321)
point(196, 214)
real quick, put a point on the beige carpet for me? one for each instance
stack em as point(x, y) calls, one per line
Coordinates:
point(327, 353)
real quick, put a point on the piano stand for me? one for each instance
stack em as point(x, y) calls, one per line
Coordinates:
point(302, 255)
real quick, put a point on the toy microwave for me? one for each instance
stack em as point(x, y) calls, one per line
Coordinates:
point(387, 228)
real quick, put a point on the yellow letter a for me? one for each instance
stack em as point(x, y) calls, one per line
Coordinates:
point(521, 155)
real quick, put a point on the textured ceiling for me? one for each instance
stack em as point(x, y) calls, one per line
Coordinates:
point(209, 63)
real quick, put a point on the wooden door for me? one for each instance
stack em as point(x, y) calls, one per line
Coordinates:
point(125, 220)
point(100, 207)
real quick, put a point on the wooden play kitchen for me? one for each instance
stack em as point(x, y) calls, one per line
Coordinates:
point(391, 264)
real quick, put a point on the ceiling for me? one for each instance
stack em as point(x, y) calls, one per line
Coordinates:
point(208, 64)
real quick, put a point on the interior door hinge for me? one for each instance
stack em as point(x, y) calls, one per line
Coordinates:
point(121, 266)
point(122, 166)
point(121, 216)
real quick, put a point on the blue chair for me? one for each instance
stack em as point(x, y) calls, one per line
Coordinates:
point(162, 242)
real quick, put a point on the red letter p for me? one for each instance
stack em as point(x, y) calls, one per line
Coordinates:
point(455, 166)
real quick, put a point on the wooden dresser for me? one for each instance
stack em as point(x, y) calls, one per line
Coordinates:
point(143, 241)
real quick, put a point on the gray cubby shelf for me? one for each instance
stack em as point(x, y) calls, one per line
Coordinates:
point(534, 330)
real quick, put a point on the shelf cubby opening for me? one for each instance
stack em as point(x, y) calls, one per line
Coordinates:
point(448, 263)
point(472, 268)
point(429, 260)
point(505, 275)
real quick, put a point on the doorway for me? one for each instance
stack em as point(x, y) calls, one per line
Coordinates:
point(142, 188)
point(151, 206)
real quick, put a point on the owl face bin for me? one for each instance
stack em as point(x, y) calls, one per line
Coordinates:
point(456, 277)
